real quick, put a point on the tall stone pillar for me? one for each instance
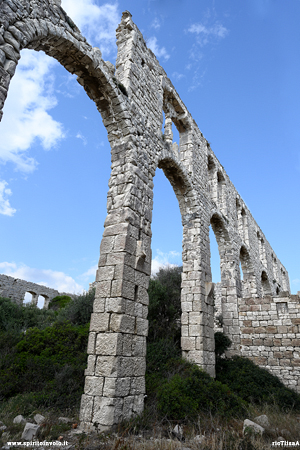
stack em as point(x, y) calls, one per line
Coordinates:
point(231, 291)
point(115, 376)
point(197, 321)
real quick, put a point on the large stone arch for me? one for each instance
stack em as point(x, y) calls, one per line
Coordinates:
point(49, 29)
point(196, 295)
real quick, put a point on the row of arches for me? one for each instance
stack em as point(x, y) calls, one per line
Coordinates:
point(39, 300)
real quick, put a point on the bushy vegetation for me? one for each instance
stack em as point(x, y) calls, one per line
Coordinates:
point(43, 357)
point(15, 318)
point(43, 352)
point(164, 312)
point(254, 384)
point(60, 301)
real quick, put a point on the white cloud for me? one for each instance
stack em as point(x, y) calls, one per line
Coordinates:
point(155, 24)
point(159, 52)
point(177, 76)
point(97, 23)
point(205, 34)
point(91, 272)
point(25, 115)
point(80, 136)
point(50, 278)
point(5, 207)
point(163, 260)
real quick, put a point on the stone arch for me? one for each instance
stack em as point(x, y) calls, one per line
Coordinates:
point(33, 300)
point(230, 283)
point(181, 184)
point(265, 284)
point(65, 44)
point(197, 309)
point(249, 288)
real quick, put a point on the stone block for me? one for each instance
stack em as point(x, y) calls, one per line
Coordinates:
point(99, 322)
point(122, 323)
point(93, 385)
point(108, 344)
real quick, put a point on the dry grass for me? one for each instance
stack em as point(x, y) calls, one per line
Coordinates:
point(147, 434)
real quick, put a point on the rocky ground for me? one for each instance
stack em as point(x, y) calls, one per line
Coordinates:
point(64, 432)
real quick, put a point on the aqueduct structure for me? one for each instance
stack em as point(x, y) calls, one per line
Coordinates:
point(131, 98)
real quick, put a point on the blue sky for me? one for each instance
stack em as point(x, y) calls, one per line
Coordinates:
point(236, 66)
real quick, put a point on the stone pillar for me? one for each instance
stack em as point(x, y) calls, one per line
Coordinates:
point(197, 321)
point(231, 291)
point(35, 298)
point(115, 376)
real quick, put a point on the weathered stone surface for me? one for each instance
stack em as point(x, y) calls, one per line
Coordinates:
point(19, 419)
point(29, 431)
point(15, 289)
point(39, 419)
point(252, 427)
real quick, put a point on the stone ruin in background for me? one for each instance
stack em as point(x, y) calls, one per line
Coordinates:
point(132, 98)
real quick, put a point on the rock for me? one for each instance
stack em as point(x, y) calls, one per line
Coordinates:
point(178, 430)
point(65, 420)
point(252, 427)
point(29, 431)
point(262, 420)
point(199, 439)
point(19, 419)
point(39, 419)
point(5, 447)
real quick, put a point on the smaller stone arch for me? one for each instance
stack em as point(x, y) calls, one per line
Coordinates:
point(181, 184)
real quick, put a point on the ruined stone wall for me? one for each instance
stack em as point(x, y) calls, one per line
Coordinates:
point(15, 289)
point(270, 335)
point(133, 98)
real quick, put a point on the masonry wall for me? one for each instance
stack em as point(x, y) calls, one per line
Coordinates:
point(15, 289)
point(270, 335)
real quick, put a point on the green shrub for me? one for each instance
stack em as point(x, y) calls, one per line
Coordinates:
point(79, 310)
point(18, 318)
point(191, 390)
point(49, 363)
point(222, 343)
point(60, 301)
point(165, 305)
point(254, 384)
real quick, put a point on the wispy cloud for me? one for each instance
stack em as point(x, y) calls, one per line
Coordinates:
point(206, 34)
point(177, 76)
point(97, 23)
point(5, 207)
point(46, 277)
point(160, 52)
point(155, 24)
point(162, 260)
point(90, 273)
point(81, 137)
